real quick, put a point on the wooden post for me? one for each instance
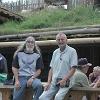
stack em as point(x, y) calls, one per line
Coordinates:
point(28, 94)
point(78, 92)
point(6, 93)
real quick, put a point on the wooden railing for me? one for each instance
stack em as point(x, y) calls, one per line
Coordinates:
point(76, 93)
point(21, 5)
point(7, 91)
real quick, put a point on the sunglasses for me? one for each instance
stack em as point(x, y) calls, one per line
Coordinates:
point(32, 42)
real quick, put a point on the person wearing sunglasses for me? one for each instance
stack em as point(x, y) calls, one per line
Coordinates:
point(26, 66)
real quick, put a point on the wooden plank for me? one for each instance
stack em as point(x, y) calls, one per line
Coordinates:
point(9, 14)
point(77, 93)
point(53, 42)
point(6, 91)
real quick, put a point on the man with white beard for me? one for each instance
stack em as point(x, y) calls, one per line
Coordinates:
point(26, 66)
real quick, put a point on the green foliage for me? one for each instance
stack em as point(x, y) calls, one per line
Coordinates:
point(54, 18)
point(9, 27)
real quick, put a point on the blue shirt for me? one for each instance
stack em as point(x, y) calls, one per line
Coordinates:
point(27, 63)
point(62, 62)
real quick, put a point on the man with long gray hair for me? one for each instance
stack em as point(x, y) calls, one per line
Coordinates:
point(26, 66)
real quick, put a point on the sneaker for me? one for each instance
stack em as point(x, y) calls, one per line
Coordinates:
point(9, 82)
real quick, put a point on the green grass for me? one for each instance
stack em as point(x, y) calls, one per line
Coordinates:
point(53, 18)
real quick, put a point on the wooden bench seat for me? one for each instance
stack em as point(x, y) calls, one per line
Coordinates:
point(7, 90)
point(77, 93)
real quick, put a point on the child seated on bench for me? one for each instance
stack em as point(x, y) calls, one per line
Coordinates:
point(94, 77)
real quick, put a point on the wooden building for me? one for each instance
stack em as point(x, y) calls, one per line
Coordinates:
point(6, 15)
point(87, 45)
point(74, 3)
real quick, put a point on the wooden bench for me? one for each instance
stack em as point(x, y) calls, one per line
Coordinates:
point(77, 93)
point(7, 90)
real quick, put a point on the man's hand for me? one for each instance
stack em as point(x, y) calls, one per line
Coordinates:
point(46, 87)
point(29, 82)
point(62, 83)
point(17, 84)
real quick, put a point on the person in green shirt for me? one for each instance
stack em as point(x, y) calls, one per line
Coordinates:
point(79, 79)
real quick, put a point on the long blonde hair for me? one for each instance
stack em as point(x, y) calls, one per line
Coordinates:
point(23, 47)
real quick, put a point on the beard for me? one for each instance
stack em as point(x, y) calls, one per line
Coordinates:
point(29, 49)
point(62, 47)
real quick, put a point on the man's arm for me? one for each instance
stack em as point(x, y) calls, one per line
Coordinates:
point(17, 83)
point(37, 73)
point(46, 87)
point(39, 67)
point(15, 72)
point(66, 77)
point(70, 74)
point(73, 63)
point(50, 76)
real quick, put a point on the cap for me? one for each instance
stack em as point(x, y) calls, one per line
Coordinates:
point(83, 61)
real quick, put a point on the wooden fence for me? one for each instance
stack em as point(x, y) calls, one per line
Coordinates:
point(20, 5)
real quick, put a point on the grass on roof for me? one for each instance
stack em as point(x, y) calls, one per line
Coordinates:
point(48, 18)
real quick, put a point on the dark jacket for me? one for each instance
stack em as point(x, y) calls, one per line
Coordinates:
point(3, 64)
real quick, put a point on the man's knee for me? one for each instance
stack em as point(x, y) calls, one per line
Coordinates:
point(58, 97)
point(45, 96)
point(37, 86)
point(42, 97)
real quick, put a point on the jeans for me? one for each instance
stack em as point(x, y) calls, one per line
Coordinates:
point(59, 93)
point(36, 85)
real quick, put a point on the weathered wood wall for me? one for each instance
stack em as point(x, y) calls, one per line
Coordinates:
point(20, 5)
point(75, 3)
point(86, 47)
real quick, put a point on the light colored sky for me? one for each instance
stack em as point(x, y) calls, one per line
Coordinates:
point(9, 0)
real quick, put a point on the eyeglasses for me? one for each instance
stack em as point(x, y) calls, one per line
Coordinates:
point(32, 42)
